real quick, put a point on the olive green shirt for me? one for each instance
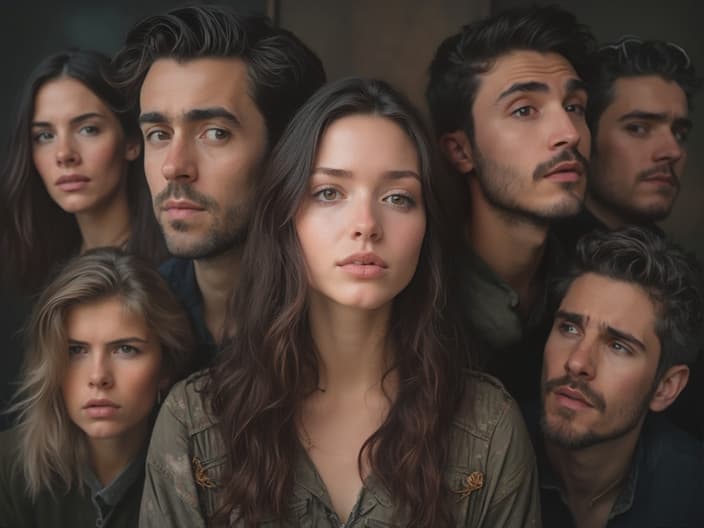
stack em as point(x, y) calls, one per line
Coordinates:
point(491, 469)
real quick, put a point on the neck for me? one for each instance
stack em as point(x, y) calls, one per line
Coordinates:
point(512, 247)
point(595, 475)
point(217, 277)
point(107, 225)
point(351, 344)
point(108, 457)
point(606, 216)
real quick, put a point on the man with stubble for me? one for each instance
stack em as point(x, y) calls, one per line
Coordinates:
point(215, 90)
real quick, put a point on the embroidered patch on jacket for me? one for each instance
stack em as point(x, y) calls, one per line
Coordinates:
point(472, 483)
point(202, 478)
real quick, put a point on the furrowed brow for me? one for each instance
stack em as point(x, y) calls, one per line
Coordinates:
point(624, 336)
point(531, 86)
point(572, 317)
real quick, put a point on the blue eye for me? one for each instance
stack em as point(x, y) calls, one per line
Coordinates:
point(74, 350)
point(42, 137)
point(127, 350)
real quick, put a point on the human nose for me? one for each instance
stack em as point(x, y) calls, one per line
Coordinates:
point(563, 132)
point(581, 361)
point(66, 151)
point(101, 376)
point(366, 224)
point(179, 163)
point(668, 149)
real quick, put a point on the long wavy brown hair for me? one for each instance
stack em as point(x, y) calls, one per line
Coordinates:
point(261, 379)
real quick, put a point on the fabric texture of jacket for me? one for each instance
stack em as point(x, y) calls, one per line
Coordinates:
point(491, 469)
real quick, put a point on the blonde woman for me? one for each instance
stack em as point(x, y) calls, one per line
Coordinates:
point(105, 342)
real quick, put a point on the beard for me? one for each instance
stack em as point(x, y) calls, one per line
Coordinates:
point(618, 199)
point(228, 230)
point(563, 435)
point(503, 185)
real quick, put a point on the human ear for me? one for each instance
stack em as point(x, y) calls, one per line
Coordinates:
point(132, 149)
point(669, 388)
point(458, 150)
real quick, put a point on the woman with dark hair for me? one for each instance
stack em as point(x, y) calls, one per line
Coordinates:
point(73, 179)
point(341, 400)
point(105, 342)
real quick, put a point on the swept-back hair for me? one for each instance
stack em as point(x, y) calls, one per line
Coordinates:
point(461, 60)
point(39, 233)
point(259, 382)
point(53, 448)
point(630, 56)
point(282, 71)
point(671, 277)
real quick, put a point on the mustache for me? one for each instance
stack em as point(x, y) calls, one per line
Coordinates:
point(570, 154)
point(177, 191)
point(596, 399)
point(667, 168)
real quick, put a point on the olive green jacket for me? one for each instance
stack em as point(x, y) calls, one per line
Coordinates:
point(491, 469)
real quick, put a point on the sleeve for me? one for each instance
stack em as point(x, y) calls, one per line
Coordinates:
point(170, 497)
point(515, 494)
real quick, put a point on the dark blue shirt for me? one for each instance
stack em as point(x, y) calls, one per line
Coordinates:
point(180, 275)
point(664, 487)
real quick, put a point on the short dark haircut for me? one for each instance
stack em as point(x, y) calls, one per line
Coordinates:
point(632, 57)
point(282, 71)
point(462, 58)
point(671, 277)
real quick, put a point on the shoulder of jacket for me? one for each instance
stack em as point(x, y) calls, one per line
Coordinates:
point(188, 403)
point(484, 403)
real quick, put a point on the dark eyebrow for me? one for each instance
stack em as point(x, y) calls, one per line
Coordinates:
point(656, 117)
point(196, 114)
point(575, 85)
point(121, 341)
point(392, 174)
point(620, 334)
point(73, 121)
point(572, 317)
point(531, 86)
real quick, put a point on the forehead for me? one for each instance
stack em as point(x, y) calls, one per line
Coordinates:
point(619, 304)
point(648, 93)
point(366, 142)
point(101, 317)
point(525, 66)
point(66, 96)
point(174, 87)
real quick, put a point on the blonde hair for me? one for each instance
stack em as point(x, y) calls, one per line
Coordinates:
point(51, 445)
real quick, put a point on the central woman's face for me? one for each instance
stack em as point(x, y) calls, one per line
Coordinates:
point(78, 147)
point(114, 371)
point(362, 223)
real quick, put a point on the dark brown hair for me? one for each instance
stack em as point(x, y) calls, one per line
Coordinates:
point(39, 234)
point(261, 379)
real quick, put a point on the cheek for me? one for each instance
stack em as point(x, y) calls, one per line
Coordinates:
point(42, 159)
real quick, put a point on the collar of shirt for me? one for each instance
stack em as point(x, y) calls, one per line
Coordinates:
point(106, 498)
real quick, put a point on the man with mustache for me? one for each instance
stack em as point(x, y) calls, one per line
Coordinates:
point(214, 91)
point(508, 97)
point(638, 114)
point(623, 338)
